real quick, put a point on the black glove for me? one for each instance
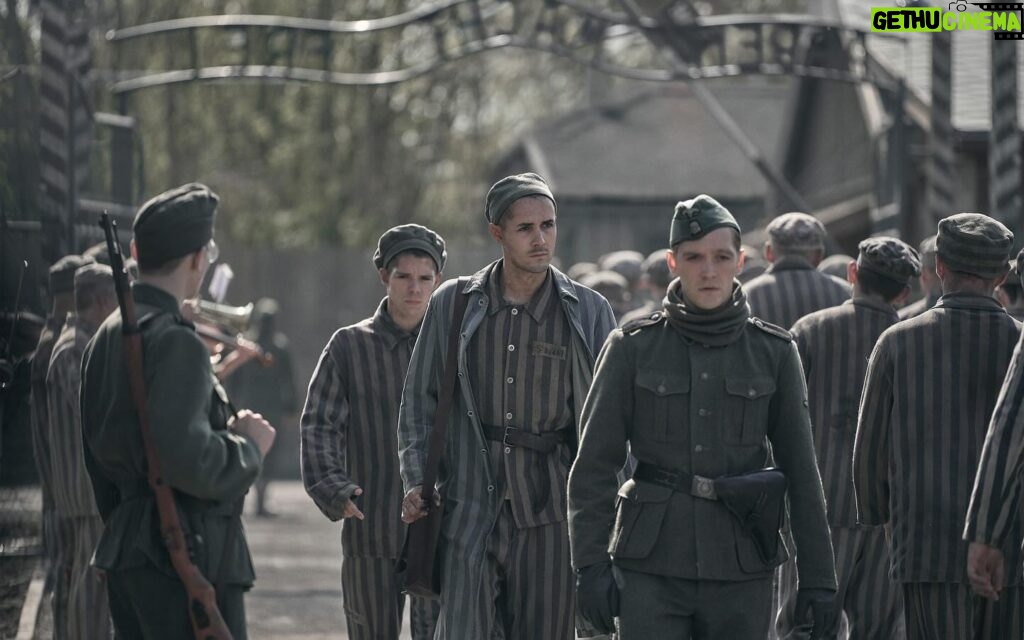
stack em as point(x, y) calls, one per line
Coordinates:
point(820, 604)
point(597, 596)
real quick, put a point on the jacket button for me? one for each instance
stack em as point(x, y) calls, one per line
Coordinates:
point(751, 393)
point(704, 375)
point(490, 488)
point(699, 448)
point(661, 388)
point(704, 413)
point(469, 413)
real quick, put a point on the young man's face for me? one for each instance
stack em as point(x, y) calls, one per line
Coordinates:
point(706, 267)
point(409, 281)
point(527, 234)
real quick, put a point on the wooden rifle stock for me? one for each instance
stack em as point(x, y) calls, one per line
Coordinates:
point(207, 621)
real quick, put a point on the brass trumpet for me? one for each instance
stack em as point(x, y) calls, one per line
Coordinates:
point(208, 316)
point(238, 318)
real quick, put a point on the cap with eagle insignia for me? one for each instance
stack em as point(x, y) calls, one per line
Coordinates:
point(697, 217)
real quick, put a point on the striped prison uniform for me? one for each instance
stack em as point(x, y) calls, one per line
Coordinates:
point(88, 614)
point(505, 565)
point(834, 346)
point(518, 363)
point(930, 390)
point(790, 289)
point(348, 441)
point(915, 309)
point(995, 502)
point(57, 536)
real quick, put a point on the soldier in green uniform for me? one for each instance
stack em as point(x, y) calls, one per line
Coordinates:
point(697, 392)
point(209, 457)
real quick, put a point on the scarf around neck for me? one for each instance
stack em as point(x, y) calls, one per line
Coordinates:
point(711, 328)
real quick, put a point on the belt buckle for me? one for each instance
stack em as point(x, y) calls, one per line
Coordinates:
point(504, 439)
point(703, 488)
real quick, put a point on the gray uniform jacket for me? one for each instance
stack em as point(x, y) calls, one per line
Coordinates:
point(705, 411)
point(466, 480)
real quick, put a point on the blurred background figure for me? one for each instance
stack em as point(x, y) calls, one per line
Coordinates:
point(931, 286)
point(754, 263)
point(1010, 294)
point(613, 287)
point(653, 284)
point(580, 269)
point(268, 390)
point(630, 265)
point(835, 265)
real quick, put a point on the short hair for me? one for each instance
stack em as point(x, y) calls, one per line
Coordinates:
point(959, 279)
point(87, 296)
point(876, 284)
point(415, 253)
point(162, 268)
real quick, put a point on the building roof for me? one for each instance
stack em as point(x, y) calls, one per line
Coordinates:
point(660, 142)
point(909, 56)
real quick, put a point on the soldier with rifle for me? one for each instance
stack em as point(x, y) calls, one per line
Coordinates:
point(169, 463)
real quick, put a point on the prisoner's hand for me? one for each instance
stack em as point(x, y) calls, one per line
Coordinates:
point(352, 510)
point(414, 506)
point(985, 570)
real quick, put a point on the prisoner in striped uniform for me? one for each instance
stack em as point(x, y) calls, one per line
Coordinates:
point(1011, 293)
point(995, 502)
point(88, 613)
point(834, 346)
point(348, 447)
point(930, 390)
point(526, 351)
point(57, 537)
point(931, 288)
point(792, 287)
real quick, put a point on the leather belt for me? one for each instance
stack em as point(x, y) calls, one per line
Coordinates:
point(513, 437)
point(697, 486)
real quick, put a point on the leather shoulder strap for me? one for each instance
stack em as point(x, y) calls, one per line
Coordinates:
point(445, 394)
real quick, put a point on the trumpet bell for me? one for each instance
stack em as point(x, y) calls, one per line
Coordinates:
point(238, 318)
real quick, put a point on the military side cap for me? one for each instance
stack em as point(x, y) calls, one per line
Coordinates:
point(974, 243)
point(407, 237)
point(62, 273)
point(656, 268)
point(797, 231)
point(697, 217)
point(511, 188)
point(889, 258)
point(175, 223)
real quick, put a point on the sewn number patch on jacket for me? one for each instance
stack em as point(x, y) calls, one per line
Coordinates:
point(548, 350)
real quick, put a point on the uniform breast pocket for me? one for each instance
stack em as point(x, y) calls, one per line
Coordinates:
point(662, 403)
point(746, 410)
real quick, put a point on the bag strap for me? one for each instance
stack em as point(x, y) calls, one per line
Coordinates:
point(445, 395)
